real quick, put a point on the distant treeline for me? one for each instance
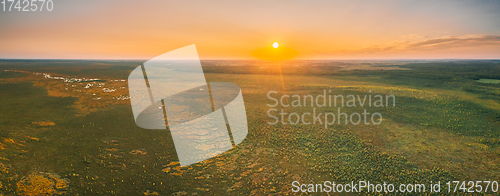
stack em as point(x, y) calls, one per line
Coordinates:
point(435, 70)
point(489, 69)
point(438, 70)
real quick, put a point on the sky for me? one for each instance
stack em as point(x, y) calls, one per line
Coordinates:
point(313, 29)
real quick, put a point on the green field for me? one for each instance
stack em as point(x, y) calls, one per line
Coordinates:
point(489, 81)
point(444, 127)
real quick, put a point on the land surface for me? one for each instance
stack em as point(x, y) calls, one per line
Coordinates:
point(66, 128)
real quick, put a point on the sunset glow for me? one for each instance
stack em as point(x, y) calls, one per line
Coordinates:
point(234, 30)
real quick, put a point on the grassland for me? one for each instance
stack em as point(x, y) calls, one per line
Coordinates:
point(489, 81)
point(445, 126)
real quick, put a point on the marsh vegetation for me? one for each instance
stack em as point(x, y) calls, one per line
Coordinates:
point(445, 126)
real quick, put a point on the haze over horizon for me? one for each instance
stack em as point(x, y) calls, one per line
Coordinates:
point(333, 30)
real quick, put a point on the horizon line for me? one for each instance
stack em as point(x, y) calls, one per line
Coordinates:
point(248, 59)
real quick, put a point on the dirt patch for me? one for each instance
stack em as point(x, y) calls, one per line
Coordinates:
point(42, 183)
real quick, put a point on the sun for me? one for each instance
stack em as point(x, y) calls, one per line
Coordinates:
point(276, 45)
point(275, 52)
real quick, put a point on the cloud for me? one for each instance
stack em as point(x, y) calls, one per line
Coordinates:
point(415, 46)
point(412, 37)
point(442, 43)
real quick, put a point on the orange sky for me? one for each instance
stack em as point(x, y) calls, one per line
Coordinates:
point(236, 29)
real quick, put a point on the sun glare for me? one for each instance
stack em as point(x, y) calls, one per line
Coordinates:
point(276, 45)
point(276, 52)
